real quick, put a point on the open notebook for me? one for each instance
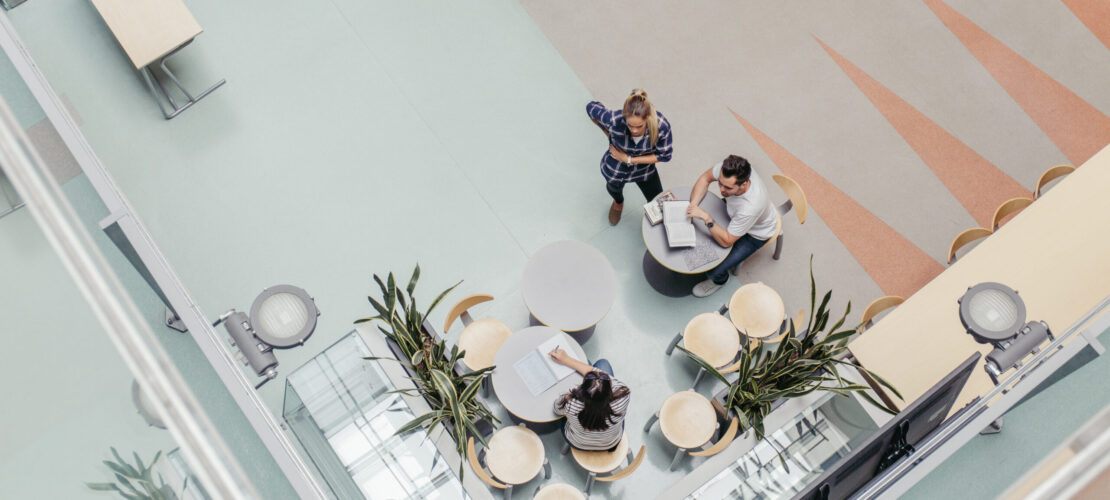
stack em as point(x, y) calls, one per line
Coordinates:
point(538, 371)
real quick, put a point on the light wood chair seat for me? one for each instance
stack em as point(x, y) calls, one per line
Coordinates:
point(515, 455)
point(559, 491)
point(757, 310)
point(687, 419)
point(480, 340)
point(600, 462)
point(712, 337)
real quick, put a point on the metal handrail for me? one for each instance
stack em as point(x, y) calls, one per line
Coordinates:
point(145, 358)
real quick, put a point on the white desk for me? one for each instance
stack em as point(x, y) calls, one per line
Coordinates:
point(150, 31)
point(1055, 253)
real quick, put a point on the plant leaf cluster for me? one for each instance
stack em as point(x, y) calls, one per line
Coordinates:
point(135, 482)
point(800, 364)
point(452, 397)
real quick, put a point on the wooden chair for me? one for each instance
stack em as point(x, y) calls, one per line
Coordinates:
point(688, 421)
point(964, 238)
point(515, 456)
point(712, 337)
point(558, 491)
point(784, 330)
point(1050, 175)
point(480, 471)
point(480, 339)
point(877, 306)
point(1008, 208)
point(796, 200)
point(873, 309)
point(606, 462)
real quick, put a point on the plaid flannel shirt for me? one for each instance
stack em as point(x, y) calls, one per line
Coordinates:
point(619, 136)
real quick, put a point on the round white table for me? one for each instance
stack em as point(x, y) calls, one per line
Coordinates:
point(667, 270)
point(569, 285)
point(509, 387)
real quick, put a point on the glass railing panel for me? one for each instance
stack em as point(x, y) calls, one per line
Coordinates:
point(74, 344)
point(354, 411)
point(785, 461)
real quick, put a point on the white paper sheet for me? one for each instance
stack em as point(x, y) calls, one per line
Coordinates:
point(534, 372)
point(557, 342)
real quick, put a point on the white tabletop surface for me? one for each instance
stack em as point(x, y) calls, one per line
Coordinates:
point(509, 387)
point(569, 285)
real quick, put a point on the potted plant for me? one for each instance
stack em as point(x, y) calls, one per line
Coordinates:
point(452, 395)
point(798, 365)
point(136, 482)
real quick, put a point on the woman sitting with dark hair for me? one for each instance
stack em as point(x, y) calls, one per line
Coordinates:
point(594, 410)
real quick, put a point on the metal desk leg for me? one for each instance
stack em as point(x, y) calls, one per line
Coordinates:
point(151, 80)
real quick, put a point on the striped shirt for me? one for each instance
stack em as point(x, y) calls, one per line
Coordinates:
point(585, 439)
point(619, 136)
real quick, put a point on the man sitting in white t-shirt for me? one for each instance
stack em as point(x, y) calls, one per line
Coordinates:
point(752, 217)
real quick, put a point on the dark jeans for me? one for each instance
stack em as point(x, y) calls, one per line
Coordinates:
point(603, 365)
point(742, 249)
point(651, 187)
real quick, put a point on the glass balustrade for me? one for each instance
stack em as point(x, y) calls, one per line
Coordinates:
point(344, 411)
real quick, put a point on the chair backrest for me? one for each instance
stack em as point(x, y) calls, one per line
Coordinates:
point(459, 308)
point(877, 306)
point(795, 194)
point(627, 471)
point(721, 444)
point(1050, 175)
point(477, 467)
point(1007, 208)
point(964, 238)
point(778, 231)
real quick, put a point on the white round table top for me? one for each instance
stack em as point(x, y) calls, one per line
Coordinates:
point(509, 387)
point(569, 285)
point(559, 491)
point(756, 310)
point(687, 419)
point(600, 462)
point(481, 340)
point(713, 337)
point(515, 454)
point(655, 236)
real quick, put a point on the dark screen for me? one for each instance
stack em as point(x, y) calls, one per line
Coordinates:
point(917, 421)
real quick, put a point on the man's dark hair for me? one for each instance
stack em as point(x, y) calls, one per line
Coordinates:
point(738, 167)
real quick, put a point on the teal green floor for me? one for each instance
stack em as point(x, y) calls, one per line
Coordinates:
point(359, 137)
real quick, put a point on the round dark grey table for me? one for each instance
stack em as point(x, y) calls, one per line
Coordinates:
point(666, 268)
point(509, 387)
point(569, 285)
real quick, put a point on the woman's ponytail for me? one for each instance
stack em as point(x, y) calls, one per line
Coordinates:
point(639, 106)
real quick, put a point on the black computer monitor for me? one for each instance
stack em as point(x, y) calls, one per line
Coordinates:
point(893, 441)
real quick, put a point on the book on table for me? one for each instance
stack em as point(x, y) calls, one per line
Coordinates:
point(680, 229)
point(538, 371)
point(654, 208)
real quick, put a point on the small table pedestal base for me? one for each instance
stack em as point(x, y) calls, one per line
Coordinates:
point(668, 282)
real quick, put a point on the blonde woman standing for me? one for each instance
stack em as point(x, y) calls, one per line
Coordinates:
point(639, 137)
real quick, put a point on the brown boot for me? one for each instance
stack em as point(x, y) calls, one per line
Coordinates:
point(615, 213)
